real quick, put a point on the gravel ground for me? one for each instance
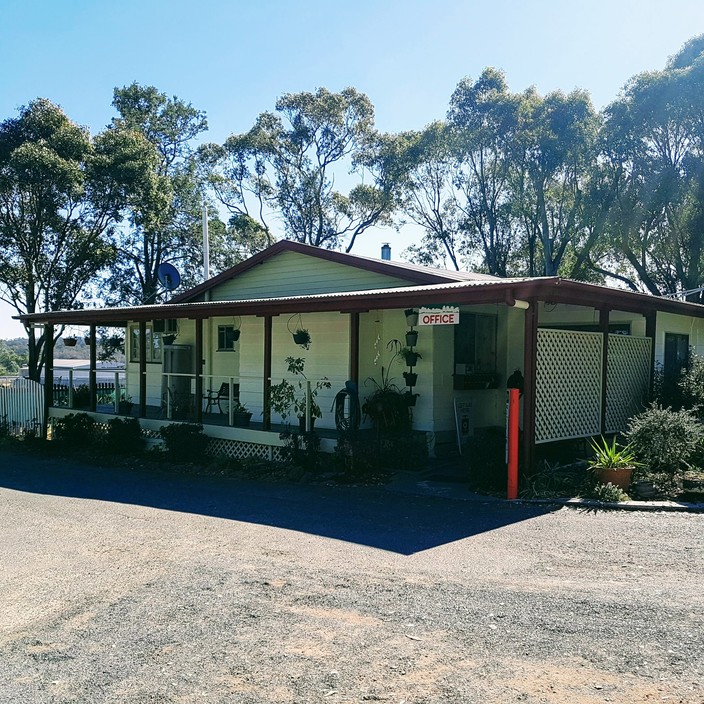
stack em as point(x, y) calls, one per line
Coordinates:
point(121, 586)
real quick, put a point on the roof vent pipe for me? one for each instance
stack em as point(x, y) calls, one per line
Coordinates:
point(386, 252)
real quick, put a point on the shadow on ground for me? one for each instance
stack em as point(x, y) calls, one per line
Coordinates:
point(393, 519)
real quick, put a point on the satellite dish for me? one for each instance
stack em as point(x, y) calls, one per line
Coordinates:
point(168, 275)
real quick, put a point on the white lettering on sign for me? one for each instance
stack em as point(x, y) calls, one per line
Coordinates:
point(439, 316)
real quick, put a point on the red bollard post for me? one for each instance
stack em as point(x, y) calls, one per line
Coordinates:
point(513, 413)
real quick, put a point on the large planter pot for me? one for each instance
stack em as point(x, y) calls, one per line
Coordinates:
point(302, 423)
point(411, 338)
point(620, 477)
point(241, 420)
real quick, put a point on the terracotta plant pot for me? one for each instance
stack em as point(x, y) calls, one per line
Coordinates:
point(620, 477)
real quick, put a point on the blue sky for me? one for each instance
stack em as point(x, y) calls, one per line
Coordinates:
point(233, 59)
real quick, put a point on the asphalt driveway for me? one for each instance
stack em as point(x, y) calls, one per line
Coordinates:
point(123, 586)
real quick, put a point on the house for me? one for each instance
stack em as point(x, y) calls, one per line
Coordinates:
point(586, 352)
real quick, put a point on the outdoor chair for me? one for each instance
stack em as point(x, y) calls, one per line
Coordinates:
point(213, 398)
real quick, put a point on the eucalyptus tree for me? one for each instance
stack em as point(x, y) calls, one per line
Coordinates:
point(61, 193)
point(484, 116)
point(289, 168)
point(557, 137)
point(655, 144)
point(165, 226)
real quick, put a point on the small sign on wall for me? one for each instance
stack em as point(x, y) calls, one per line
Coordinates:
point(463, 420)
point(447, 315)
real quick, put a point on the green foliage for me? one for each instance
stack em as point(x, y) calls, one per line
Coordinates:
point(74, 431)
point(288, 396)
point(185, 442)
point(665, 440)
point(611, 456)
point(555, 481)
point(10, 361)
point(60, 193)
point(81, 396)
point(609, 493)
point(386, 406)
point(124, 437)
point(360, 461)
point(690, 387)
point(286, 164)
point(302, 450)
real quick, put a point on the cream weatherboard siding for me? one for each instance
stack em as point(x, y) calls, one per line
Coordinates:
point(294, 274)
point(679, 325)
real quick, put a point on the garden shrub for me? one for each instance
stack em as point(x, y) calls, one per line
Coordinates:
point(75, 430)
point(301, 450)
point(124, 437)
point(665, 440)
point(185, 442)
point(609, 493)
point(691, 386)
point(359, 461)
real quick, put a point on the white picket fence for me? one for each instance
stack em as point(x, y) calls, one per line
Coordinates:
point(21, 405)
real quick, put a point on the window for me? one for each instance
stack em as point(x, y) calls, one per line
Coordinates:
point(227, 336)
point(475, 352)
point(153, 344)
point(676, 356)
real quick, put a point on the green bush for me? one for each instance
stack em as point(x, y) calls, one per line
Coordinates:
point(609, 493)
point(124, 437)
point(665, 440)
point(301, 450)
point(359, 461)
point(75, 430)
point(185, 442)
point(691, 386)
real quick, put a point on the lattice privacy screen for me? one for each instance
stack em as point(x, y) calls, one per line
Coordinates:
point(236, 449)
point(627, 379)
point(568, 385)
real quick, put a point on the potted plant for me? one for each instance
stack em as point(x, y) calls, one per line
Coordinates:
point(169, 339)
point(300, 335)
point(70, 340)
point(410, 378)
point(287, 396)
point(240, 415)
point(88, 340)
point(302, 338)
point(411, 338)
point(410, 357)
point(410, 398)
point(613, 464)
point(125, 405)
point(411, 317)
point(386, 406)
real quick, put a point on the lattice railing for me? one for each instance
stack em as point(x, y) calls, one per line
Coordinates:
point(568, 385)
point(240, 450)
point(627, 379)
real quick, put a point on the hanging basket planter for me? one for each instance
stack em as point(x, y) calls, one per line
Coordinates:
point(70, 341)
point(236, 325)
point(88, 340)
point(169, 339)
point(300, 335)
point(411, 317)
point(411, 338)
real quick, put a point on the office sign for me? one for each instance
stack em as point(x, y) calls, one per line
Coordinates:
point(447, 315)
